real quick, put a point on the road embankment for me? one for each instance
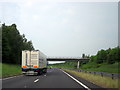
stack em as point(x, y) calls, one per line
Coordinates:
point(105, 82)
point(8, 70)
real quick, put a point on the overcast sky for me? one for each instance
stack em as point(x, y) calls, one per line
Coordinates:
point(65, 29)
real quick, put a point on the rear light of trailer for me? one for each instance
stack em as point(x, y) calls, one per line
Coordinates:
point(23, 66)
point(35, 66)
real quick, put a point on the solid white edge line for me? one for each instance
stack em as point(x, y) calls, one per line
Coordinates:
point(77, 80)
point(36, 80)
point(10, 77)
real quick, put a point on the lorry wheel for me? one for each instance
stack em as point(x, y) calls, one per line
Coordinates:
point(40, 72)
point(45, 70)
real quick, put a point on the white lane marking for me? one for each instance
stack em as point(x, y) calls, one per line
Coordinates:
point(77, 81)
point(36, 80)
point(25, 86)
point(44, 75)
point(11, 77)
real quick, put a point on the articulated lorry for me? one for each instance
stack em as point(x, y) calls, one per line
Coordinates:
point(34, 62)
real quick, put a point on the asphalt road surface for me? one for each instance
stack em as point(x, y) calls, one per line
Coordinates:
point(54, 78)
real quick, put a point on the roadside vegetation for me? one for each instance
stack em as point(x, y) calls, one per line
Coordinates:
point(12, 45)
point(10, 70)
point(104, 61)
point(0, 70)
point(105, 82)
point(91, 66)
point(104, 67)
point(108, 56)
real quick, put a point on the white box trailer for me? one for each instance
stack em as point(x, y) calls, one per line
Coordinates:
point(33, 62)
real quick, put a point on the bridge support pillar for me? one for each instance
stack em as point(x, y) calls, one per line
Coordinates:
point(78, 64)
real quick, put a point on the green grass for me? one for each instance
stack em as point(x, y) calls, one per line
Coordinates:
point(10, 70)
point(105, 82)
point(92, 66)
point(111, 68)
point(0, 70)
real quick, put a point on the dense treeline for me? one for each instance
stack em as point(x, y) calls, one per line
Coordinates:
point(12, 44)
point(109, 56)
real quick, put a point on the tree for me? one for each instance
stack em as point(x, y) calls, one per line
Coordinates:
point(101, 56)
point(83, 55)
point(109, 56)
point(113, 55)
point(13, 43)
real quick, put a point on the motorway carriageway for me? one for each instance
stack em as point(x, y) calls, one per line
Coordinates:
point(54, 78)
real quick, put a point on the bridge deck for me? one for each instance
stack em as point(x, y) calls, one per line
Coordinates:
point(68, 59)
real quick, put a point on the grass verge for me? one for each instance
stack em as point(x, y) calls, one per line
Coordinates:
point(105, 82)
point(10, 70)
point(91, 66)
point(0, 70)
point(111, 68)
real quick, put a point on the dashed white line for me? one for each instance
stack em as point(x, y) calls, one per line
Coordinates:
point(77, 80)
point(11, 77)
point(44, 75)
point(25, 86)
point(36, 80)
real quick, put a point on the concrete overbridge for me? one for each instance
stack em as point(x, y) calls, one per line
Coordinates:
point(78, 59)
point(66, 59)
